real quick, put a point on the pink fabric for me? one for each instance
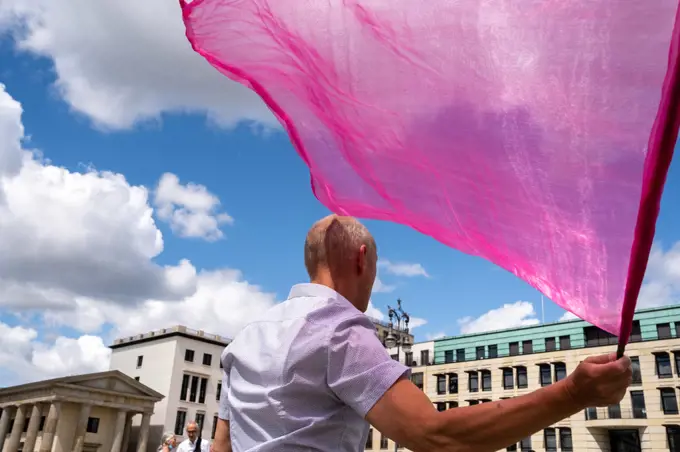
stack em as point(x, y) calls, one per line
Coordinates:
point(517, 131)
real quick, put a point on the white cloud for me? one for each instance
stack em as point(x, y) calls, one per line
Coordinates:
point(510, 315)
point(381, 287)
point(190, 209)
point(374, 312)
point(662, 280)
point(403, 268)
point(567, 316)
point(123, 61)
point(435, 336)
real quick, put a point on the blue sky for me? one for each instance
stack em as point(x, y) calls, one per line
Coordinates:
point(261, 184)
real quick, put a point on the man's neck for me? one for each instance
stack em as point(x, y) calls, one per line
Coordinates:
point(343, 289)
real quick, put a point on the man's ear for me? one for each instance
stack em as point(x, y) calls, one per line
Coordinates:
point(362, 260)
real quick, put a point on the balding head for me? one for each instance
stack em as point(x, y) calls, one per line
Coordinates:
point(341, 253)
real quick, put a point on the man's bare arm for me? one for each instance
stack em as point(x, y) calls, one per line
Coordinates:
point(222, 441)
point(406, 415)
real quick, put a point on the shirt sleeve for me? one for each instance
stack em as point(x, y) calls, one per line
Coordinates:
point(223, 412)
point(360, 370)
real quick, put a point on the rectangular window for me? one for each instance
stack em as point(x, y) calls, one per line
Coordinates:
point(508, 380)
point(473, 402)
point(512, 447)
point(669, 402)
point(480, 352)
point(369, 440)
point(219, 391)
point(514, 348)
point(448, 356)
point(180, 420)
point(193, 392)
point(473, 382)
point(417, 379)
point(185, 387)
point(522, 381)
point(441, 406)
point(424, 357)
point(408, 359)
point(635, 366)
point(383, 441)
point(525, 444)
point(189, 355)
point(591, 413)
point(214, 428)
point(565, 440)
point(493, 351)
point(565, 342)
point(460, 355)
point(673, 436)
point(486, 380)
point(453, 383)
point(550, 347)
point(635, 333)
point(637, 400)
point(677, 329)
point(207, 359)
point(453, 405)
point(441, 384)
point(200, 420)
point(560, 371)
point(92, 424)
point(140, 360)
point(550, 440)
point(527, 347)
point(663, 331)
point(545, 374)
point(663, 365)
point(614, 411)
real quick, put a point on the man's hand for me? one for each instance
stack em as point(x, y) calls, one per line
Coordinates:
point(600, 380)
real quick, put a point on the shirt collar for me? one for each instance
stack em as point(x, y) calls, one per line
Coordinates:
point(317, 291)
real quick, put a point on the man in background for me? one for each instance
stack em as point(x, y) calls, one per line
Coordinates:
point(194, 442)
point(310, 374)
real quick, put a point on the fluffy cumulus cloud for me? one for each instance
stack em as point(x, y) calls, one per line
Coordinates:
point(510, 315)
point(78, 250)
point(190, 209)
point(134, 64)
point(403, 268)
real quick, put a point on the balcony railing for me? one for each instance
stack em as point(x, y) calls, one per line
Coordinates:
point(614, 412)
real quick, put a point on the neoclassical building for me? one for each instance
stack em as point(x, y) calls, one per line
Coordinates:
point(83, 413)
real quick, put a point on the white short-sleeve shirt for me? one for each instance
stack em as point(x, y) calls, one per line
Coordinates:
point(304, 376)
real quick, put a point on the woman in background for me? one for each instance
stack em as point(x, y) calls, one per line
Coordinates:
point(168, 442)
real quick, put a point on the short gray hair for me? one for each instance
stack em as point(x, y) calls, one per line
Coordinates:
point(167, 436)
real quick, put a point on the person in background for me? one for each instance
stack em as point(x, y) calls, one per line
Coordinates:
point(311, 374)
point(168, 442)
point(194, 442)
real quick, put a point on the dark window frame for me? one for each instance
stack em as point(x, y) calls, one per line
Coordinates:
point(513, 349)
point(473, 377)
point(550, 344)
point(663, 331)
point(669, 401)
point(207, 359)
point(189, 355)
point(662, 360)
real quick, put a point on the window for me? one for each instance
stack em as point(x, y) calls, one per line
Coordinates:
point(635, 334)
point(637, 374)
point(395, 357)
point(595, 337)
point(180, 420)
point(140, 360)
point(512, 447)
point(441, 384)
point(514, 348)
point(550, 347)
point(663, 365)
point(508, 380)
point(136, 378)
point(194, 388)
point(560, 371)
point(214, 428)
point(473, 382)
point(453, 405)
point(460, 355)
point(669, 403)
point(527, 347)
point(92, 424)
point(614, 411)
point(408, 359)
point(207, 359)
point(453, 384)
point(486, 380)
point(522, 381)
point(565, 342)
point(448, 356)
point(185, 387)
point(473, 402)
point(493, 351)
point(417, 379)
point(424, 357)
point(202, 391)
point(480, 352)
point(525, 444)
point(189, 355)
point(545, 374)
point(565, 440)
point(219, 391)
point(637, 400)
point(383, 441)
point(221, 366)
point(200, 420)
point(677, 329)
point(369, 440)
point(591, 413)
point(676, 356)
point(673, 436)
point(663, 330)
point(550, 439)
point(441, 406)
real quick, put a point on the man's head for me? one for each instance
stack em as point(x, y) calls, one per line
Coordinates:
point(341, 253)
point(192, 431)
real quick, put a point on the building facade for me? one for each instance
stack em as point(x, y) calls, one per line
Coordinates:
point(82, 413)
point(479, 368)
point(383, 330)
point(184, 365)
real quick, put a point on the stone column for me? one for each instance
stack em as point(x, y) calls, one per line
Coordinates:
point(32, 432)
point(17, 429)
point(51, 424)
point(126, 431)
point(118, 432)
point(81, 428)
point(4, 424)
point(144, 432)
